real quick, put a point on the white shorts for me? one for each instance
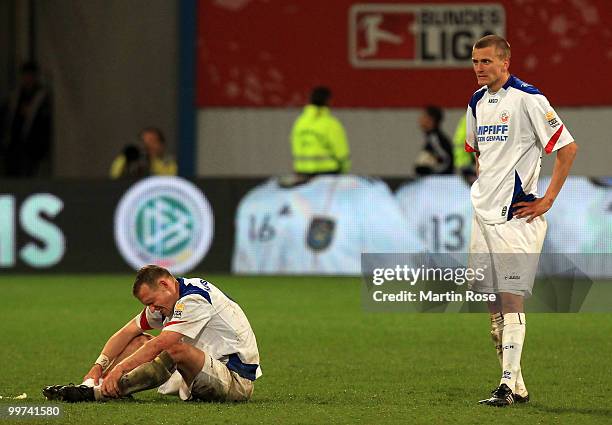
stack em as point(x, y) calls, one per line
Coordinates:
point(508, 254)
point(215, 382)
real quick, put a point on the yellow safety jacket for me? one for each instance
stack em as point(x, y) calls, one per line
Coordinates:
point(318, 143)
point(461, 158)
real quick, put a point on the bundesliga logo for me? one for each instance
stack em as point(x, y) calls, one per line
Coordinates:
point(419, 35)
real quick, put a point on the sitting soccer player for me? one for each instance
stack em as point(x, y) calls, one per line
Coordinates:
point(205, 351)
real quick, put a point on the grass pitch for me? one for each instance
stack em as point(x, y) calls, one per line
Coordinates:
point(324, 360)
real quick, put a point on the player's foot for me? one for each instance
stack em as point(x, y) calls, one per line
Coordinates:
point(70, 393)
point(500, 397)
point(520, 398)
point(51, 392)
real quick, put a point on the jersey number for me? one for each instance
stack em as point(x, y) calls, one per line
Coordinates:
point(448, 232)
point(262, 231)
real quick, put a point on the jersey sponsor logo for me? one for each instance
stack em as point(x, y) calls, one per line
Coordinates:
point(504, 117)
point(178, 310)
point(504, 210)
point(553, 121)
point(164, 220)
point(419, 35)
point(492, 133)
point(493, 100)
point(320, 233)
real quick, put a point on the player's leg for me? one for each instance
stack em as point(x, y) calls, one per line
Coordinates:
point(207, 378)
point(480, 258)
point(517, 247)
point(148, 375)
point(131, 348)
point(497, 327)
point(87, 391)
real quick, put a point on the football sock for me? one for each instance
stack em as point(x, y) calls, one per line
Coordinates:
point(497, 330)
point(148, 375)
point(513, 337)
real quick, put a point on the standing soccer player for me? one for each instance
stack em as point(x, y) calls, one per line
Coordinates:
point(509, 123)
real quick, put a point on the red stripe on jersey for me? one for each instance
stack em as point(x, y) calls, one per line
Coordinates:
point(468, 148)
point(174, 322)
point(144, 324)
point(553, 140)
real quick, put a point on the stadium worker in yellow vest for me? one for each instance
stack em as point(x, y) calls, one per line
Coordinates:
point(464, 161)
point(318, 139)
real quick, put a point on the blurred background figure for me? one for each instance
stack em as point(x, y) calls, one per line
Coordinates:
point(437, 154)
point(25, 140)
point(465, 165)
point(151, 161)
point(318, 140)
point(128, 164)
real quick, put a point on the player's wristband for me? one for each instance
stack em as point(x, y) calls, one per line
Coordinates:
point(103, 361)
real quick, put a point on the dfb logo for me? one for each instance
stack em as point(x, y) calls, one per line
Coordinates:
point(419, 35)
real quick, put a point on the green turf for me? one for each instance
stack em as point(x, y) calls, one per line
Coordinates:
point(324, 359)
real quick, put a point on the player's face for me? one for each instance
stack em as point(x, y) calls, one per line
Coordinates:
point(160, 299)
point(491, 70)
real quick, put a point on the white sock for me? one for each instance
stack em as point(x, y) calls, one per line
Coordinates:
point(98, 393)
point(497, 331)
point(512, 344)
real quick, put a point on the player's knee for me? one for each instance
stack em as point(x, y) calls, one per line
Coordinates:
point(177, 351)
point(139, 341)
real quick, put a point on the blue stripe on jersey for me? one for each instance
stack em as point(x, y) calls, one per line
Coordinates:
point(245, 370)
point(519, 195)
point(475, 98)
point(520, 85)
point(189, 289)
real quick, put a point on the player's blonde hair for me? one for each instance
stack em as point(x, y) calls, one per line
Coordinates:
point(149, 275)
point(502, 47)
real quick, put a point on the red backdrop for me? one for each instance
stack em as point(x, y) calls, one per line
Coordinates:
point(270, 53)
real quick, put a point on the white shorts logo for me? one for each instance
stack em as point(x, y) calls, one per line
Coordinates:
point(165, 221)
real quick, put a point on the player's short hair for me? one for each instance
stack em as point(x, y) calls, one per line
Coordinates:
point(149, 275)
point(502, 47)
point(155, 130)
point(320, 96)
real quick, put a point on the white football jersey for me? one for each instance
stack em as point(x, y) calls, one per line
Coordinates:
point(439, 207)
point(211, 322)
point(320, 227)
point(510, 129)
point(580, 221)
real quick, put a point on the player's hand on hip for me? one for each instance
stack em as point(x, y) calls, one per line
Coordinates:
point(94, 373)
point(110, 385)
point(532, 209)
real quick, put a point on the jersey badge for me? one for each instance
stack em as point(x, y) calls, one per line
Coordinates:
point(320, 233)
point(552, 119)
point(504, 117)
point(178, 310)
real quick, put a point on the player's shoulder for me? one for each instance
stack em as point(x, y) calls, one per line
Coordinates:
point(478, 94)
point(521, 86)
point(194, 289)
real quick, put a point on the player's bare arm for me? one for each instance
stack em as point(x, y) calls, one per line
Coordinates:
point(146, 353)
point(113, 347)
point(563, 164)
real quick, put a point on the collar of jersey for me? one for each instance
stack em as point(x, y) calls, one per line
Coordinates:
point(509, 82)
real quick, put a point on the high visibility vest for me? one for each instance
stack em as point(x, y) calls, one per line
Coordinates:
point(461, 158)
point(318, 143)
